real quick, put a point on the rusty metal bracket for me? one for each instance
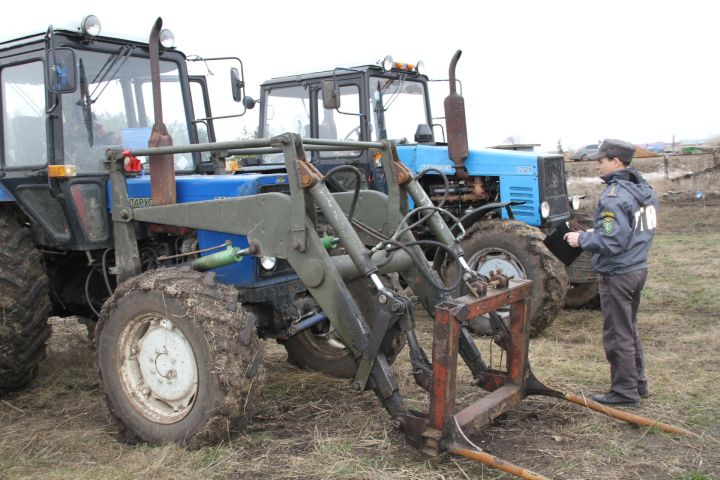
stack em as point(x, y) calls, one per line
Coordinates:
point(443, 425)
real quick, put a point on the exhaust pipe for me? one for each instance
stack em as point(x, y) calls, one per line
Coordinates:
point(162, 167)
point(456, 124)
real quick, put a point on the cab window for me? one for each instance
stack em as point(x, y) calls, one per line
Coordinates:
point(118, 110)
point(23, 103)
point(343, 123)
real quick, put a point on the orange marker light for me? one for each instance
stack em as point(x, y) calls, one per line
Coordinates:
point(59, 171)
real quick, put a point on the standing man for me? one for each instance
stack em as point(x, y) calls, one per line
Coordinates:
point(625, 222)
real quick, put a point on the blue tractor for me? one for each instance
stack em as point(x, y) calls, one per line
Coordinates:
point(508, 201)
point(70, 95)
point(178, 349)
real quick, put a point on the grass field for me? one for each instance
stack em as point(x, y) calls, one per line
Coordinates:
point(314, 427)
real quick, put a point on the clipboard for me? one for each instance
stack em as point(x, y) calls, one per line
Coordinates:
point(559, 247)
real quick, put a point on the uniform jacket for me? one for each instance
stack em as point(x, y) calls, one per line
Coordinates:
point(625, 223)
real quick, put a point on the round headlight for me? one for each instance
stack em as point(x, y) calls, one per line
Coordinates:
point(420, 67)
point(545, 209)
point(387, 63)
point(575, 202)
point(167, 38)
point(90, 25)
point(268, 263)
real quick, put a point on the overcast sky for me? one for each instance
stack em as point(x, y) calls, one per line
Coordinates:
point(538, 71)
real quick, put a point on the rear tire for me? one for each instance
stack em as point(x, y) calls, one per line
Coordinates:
point(319, 349)
point(517, 249)
point(583, 291)
point(24, 304)
point(583, 295)
point(179, 358)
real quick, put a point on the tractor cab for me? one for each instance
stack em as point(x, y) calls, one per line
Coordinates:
point(68, 95)
point(367, 103)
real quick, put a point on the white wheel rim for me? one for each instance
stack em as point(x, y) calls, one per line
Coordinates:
point(157, 368)
point(493, 259)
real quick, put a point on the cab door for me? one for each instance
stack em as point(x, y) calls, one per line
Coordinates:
point(27, 149)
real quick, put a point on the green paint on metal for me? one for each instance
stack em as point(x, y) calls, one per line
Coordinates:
point(330, 242)
point(220, 259)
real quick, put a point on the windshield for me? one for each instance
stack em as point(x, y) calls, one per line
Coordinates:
point(114, 107)
point(397, 107)
point(287, 110)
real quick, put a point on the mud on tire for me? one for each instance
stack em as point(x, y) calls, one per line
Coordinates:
point(520, 246)
point(179, 358)
point(583, 291)
point(24, 304)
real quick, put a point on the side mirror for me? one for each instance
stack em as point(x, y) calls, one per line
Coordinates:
point(60, 70)
point(330, 95)
point(237, 84)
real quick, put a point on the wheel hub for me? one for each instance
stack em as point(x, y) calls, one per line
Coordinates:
point(497, 260)
point(159, 369)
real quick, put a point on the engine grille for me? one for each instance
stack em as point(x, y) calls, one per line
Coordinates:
point(553, 187)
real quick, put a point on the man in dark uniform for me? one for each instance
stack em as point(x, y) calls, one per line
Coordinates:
point(625, 223)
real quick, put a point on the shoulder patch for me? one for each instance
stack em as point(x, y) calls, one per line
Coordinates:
point(607, 214)
point(612, 191)
point(608, 225)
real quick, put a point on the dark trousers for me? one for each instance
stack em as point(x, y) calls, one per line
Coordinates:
point(620, 299)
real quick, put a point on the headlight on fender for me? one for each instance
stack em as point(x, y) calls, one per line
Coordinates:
point(575, 201)
point(544, 209)
point(268, 263)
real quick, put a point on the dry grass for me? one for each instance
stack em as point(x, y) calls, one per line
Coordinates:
point(665, 178)
point(314, 427)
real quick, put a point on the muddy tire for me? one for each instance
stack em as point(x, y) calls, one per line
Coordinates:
point(583, 291)
point(518, 250)
point(179, 358)
point(319, 349)
point(24, 304)
point(583, 295)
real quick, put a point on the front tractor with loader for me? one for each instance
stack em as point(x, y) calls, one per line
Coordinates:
point(508, 201)
point(213, 264)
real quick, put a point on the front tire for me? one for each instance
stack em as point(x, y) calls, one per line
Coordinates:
point(320, 349)
point(179, 357)
point(517, 249)
point(24, 304)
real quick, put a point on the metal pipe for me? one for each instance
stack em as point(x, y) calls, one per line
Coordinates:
point(493, 462)
point(343, 229)
point(260, 143)
point(627, 417)
point(200, 147)
point(268, 150)
point(398, 262)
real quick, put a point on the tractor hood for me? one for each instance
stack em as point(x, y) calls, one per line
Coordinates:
point(479, 162)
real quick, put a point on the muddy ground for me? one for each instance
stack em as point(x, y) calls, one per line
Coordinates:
point(311, 426)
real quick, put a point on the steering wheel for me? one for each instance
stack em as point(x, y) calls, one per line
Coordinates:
point(354, 131)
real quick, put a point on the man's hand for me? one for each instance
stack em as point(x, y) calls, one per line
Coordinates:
point(572, 238)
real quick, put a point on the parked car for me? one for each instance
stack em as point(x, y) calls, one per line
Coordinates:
point(581, 153)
